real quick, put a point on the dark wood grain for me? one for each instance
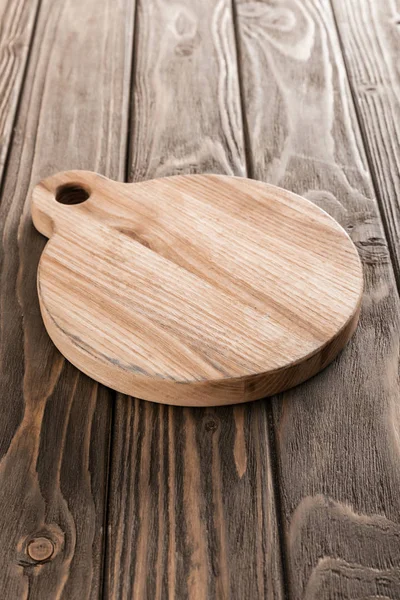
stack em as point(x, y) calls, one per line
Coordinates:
point(370, 35)
point(16, 25)
point(55, 422)
point(191, 503)
point(337, 436)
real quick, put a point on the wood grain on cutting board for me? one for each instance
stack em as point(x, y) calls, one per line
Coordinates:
point(194, 290)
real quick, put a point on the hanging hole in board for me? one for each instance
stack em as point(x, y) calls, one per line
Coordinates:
point(72, 193)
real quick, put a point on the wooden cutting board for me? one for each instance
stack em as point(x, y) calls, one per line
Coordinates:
point(193, 290)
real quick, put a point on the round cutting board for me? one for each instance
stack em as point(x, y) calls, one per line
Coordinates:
point(196, 289)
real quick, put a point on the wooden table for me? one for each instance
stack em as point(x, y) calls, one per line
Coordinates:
point(295, 497)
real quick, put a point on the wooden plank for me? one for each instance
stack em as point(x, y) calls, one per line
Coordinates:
point(192, 511)
point(54, 445)
point(369, 31)
point(337, 435)
point(17, 22)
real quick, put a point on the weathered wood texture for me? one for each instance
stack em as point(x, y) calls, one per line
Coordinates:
point(192, 511)
point(16, 25)
point(370, 35)
point(337, 435)
point(55, 422)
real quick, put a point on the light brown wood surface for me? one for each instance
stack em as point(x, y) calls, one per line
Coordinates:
point(195, 289)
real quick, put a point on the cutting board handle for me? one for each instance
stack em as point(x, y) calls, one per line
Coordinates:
point(59, 199)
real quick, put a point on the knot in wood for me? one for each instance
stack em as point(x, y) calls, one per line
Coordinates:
point(185, 24)
point(211, 425)
point(40, 549)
